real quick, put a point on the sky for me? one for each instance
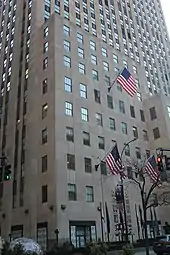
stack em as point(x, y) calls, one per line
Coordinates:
point(166, 10)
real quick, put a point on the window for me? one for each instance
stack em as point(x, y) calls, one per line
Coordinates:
point(79, 38)
point(125, 63)
point(89, 194)
point(110, 101)
point(45, 63)
point(81, 68)
point(44, 194)
point(44, 164)
point(127, 150)
point(44, 86)
point(124, 128)
point(148, 153)
point(142, 116)
point(44, 135)
point(88, 165)
point(67, 61)
point(83, 90)
point(45, 32)
point(99, 119)
point(156, 133)
point(115, 58)
point(135, 132)
point(129, 172)
point(138, 152)
point(97, 96)
point(104, 52)
point(44, 110)
point(45, 47)
point(168, 109)
point(105, 66)
point(70, 162)
point(134, 69)
point(70, 134)
point(121, 106)
point(93, 59)
point(95, 75)
point(92, 45)
point(66, 30)
point(132, 111)
point(80, 52)
point(68, 84)
point(103, 168)
point(153, 113)
point(112, 124)
point(86, 138)
point(84, 114)
point(72, 196)
point(101, 143)
point(66, 45)
point(145, 135)
point(68, 108)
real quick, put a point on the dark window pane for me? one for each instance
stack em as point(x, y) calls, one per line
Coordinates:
point(44, 194)
point(153, 113)
point(156, 133)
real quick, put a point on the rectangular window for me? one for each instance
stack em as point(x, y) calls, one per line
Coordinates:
point(72, 196)
point(121, 106)
point(104, 52)
point(68, 108)
point(168, 109)
point(80, 52)
point(81, 68)
point(142, 116)
point(105, 66)
point(44, 136)
point(134, 69)
point(101, 142)
point(67, 61)
point(70, 161)
point(44, 164)
point(45, 63)
point(132, 111)
point(66, 30)
point(99, 119)
point(93, 59)
point(125, 64)
point(124, 128)
point(135, 131)
point(153, 113)
point(110, 101)
point(70, 134)
point(68, 84)
point(129, 172)
point(115, 59)
point(97, 96)
point(86, 138)
point(84, 114)
point(44, 194)
point(45, 32)
point(45, 47)
point(88, 165)
point(66, 45)
point(44, 86)
point(112, 124)
point(83, 90)
point(89, 194)
point(95, 75)
point(79, 38)
point(138, 152)
point(44, 110)
point(145, 135)
point(103, 168)
point(92, 45)
point(127, 150)
point(156, 133)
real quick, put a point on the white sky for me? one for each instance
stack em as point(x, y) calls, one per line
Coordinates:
point(166, 10)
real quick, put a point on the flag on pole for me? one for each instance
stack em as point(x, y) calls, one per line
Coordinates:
point(113, 161)
point(152, 169)
point(107, 220)
point(127, 81)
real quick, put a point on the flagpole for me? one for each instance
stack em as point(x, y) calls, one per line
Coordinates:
point(111, 85)
point(102, 203)
point(137, 221)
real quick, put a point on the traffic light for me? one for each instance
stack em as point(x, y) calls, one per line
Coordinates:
point(7, 173)
point(160, 164)
point(167, 163)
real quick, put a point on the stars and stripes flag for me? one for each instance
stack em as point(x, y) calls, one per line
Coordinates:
point(113, 161)
point(127, 81)
point(152, 169)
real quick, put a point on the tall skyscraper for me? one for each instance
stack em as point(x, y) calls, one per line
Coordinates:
point(57, 60)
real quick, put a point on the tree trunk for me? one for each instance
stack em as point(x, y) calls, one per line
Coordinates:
point(145, 231)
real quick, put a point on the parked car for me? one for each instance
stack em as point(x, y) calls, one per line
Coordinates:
point(162, 246)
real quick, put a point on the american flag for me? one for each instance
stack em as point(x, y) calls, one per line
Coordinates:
point(113, 161)
point(152, 169)
point(127, 82)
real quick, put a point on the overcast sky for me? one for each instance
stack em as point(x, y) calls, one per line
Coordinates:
point(166, 10)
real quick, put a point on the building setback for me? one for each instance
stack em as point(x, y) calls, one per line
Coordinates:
point(57, 118)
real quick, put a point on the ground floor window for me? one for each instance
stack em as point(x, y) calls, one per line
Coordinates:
point(16, 232)
point(42, 235)
point(82, 232)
